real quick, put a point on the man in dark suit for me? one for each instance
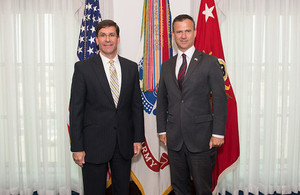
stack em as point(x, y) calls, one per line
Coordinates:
point(185, 121)
point(106, 115)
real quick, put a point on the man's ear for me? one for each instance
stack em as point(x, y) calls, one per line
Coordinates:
point(97, 40)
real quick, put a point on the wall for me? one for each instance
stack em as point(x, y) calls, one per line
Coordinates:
point(128, 14)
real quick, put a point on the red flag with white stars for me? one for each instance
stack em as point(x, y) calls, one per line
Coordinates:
point(208, 40)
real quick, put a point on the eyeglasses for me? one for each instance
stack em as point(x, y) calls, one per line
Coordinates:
point(112, 35)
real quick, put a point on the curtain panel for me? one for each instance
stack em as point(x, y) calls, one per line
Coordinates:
point(37, 53)
point(261, 43)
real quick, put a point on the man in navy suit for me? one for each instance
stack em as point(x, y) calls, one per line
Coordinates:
point(106, 115)
point(185, 121)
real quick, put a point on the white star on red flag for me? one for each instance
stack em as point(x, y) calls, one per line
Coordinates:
point(208, 12)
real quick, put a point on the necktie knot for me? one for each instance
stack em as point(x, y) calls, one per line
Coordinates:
point(111, 63)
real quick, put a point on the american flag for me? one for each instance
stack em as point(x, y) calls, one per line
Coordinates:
point(87, 46)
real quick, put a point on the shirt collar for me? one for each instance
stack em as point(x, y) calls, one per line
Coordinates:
point(189, 53)
point(106, 60)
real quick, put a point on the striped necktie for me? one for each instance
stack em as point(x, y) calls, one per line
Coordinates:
point(182, 71)
point(114, 84)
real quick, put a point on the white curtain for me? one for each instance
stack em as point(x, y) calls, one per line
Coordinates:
point(38, 41)
point(261, 41)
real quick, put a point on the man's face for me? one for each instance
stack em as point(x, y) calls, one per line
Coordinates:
point(108, 41)
point(184, 34)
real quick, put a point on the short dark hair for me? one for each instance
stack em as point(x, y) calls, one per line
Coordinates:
point(181, 18)
point(107, 23)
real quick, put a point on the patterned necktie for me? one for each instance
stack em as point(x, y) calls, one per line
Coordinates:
point(181, 72)
point(114, 84)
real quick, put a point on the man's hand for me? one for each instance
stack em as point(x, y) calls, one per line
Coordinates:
point(78, 158)
point(215, 142)
point(163, 139)
point(137, 147)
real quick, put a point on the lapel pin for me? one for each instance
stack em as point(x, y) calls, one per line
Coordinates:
point(196, 59)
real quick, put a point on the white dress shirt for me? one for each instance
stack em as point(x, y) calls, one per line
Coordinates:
point(189, 54)
point(106, 65)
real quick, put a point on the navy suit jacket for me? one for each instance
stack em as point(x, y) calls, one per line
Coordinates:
point(95, 123)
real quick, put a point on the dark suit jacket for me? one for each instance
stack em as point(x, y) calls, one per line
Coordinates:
point(187, 116)
point(95, 124)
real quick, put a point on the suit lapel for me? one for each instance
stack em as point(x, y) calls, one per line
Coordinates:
point(173, 66)
point(193, 64)
point(125, 75)
point(101, 75)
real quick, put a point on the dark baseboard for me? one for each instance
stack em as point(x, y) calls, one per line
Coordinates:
point(134, 190)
